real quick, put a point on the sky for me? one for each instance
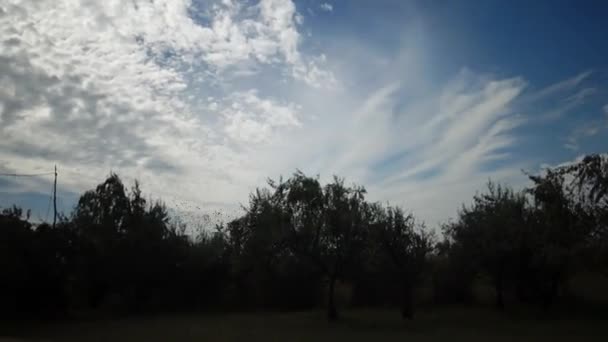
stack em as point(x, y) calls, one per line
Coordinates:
point(422, 102)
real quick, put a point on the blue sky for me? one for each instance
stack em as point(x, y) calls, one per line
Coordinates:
point(420, 101)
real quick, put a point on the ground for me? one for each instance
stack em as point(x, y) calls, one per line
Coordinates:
point(446, 324)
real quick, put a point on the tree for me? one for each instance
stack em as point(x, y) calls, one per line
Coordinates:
point(407, 246)
point(343, 232)
point(16, 237)
point(126, 244)
point(321, 226)
point(589, 188)
point(560, 231)
point(489, 232)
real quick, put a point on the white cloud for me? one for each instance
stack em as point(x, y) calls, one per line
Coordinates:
point(252, 120)
point(327, 7)
point(314, 75)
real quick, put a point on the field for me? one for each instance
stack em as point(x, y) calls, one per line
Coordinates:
point(446, 324)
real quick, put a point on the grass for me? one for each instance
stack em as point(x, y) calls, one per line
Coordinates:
point(444, 324)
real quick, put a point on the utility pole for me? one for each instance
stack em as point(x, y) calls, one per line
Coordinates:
point(55, 198)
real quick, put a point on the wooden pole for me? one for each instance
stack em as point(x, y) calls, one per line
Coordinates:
point(55, 198)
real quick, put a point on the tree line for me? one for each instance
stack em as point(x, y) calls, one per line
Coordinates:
point(299, 243)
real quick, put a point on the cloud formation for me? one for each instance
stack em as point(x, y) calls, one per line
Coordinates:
point(202, 100)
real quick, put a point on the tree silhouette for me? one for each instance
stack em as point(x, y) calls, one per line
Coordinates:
point(561, 233)
point(407, 245)
point(322, 226)
point(489, 230)
point(297, 241)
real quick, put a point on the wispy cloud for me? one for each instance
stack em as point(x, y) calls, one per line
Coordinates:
point(581, 132)
point(561, 97)
point(587, 129)
point(561, 86)
point(327, 7)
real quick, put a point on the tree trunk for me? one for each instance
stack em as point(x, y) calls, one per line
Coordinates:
point(500, 302)
point(551, 293)
point(332, 313)
point(407, 301)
